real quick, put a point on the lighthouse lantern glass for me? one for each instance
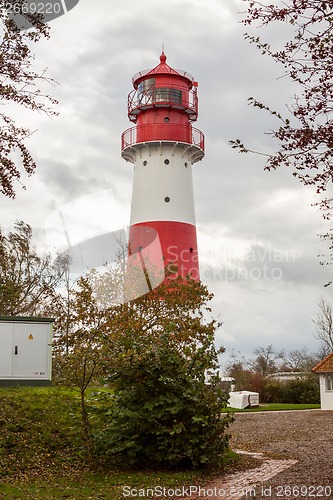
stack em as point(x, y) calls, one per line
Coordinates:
point(168, 95)
point(146, 89)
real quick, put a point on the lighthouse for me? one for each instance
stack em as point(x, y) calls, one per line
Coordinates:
point(163, 146)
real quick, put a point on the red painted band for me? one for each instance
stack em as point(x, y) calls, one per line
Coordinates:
point(177, 244)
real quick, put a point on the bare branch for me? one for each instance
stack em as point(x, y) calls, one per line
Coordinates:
point(324, 325)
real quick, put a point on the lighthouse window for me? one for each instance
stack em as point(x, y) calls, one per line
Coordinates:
point(146, 89)
point(145, 163)
point(167, 199)
point(166, 119)
point(168, 95)
point(166, 161)
point(176, 96)
point(186, 164)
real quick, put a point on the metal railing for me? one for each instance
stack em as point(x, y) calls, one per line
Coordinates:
point(161, 132)
point(153, 96)
point(145, 72)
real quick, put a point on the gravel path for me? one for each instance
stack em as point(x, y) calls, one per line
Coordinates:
point(293, 452)
point(305, 436)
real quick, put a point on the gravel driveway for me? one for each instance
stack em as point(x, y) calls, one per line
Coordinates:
point(306, 436)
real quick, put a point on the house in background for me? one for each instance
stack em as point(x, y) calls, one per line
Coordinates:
point(325, 371)
point(287, 376)
point(227, 384)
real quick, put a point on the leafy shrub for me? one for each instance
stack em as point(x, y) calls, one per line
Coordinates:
point(273, 392)
point(163, 413)
point(299, 391)
point(303, 391)
point(156, 352)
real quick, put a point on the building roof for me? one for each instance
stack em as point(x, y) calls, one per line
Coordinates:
point(162, 69)
point(25, 319)
point(287, 375)
point(324, 366)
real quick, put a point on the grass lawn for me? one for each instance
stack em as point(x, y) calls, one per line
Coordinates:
point(85, 484)
point(42, 453)
point(276, 407)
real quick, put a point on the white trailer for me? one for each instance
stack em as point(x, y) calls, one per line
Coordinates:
point(25, 350)
point(243, 399)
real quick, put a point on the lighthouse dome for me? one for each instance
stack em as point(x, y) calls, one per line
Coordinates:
point(162, 69)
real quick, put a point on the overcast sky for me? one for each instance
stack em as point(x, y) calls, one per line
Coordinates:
point(257, 230)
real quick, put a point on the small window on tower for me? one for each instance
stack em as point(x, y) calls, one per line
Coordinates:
point(186, 164)
point(166, 119)
point(145, 163)
point(167, 199)
point(166, 161)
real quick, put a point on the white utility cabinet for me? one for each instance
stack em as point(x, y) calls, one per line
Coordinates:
point(25, 350)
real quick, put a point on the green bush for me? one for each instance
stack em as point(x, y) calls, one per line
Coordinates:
point(163, 413)
point(273, 392)
point(299, 391)
point(303, 391)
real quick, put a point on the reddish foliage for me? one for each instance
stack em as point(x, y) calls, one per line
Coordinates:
point(18, 84)
point(306, 137)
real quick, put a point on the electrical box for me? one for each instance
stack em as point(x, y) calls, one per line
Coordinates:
point(25, 350)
